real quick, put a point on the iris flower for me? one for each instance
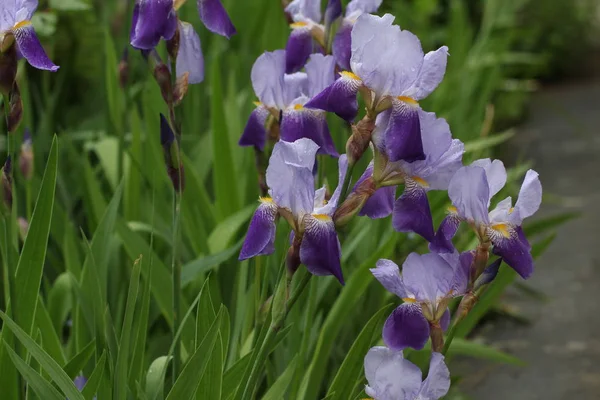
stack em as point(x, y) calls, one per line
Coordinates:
point(156, 19)
point(308, 25)
point(392, 377)
point(427, 284)
point(15, 21)
point(443, 157)
point(292, 195)
point(283, 93)
point(471, 190)
point(388, 63)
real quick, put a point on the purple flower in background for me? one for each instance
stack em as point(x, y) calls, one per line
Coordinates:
point(427, 285)
point(443, 157)
point(391, 64)
point(15, 20)
point(287, 93)
point(471, 190)
point(156, 19)
point(293, 196)
point(391, 377)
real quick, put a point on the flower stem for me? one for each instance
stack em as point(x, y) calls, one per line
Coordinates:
point(347, 181)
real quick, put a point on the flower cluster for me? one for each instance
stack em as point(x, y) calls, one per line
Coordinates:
point(412, 149)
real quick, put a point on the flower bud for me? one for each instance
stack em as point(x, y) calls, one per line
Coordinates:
point(161, 74)
point(23, 227)
point(292, 261)
point(354, 203)
point(171, 152)
point(482, 255)
point(124, 68)
point(15, 114)
point(173, 44)
point(181, 88)
point(8, 69)
point(7, 197)
point(26, 156)
point(358, 143)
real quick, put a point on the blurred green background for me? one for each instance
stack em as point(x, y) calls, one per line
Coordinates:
point(109, 149)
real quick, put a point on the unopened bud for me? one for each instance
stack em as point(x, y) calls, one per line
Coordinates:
point(15, 114)
point(466, 305)
point(23, 227)
point(173, 44)
point(8, 69)
point(171, 152)
point(292, 260)
point(161, 74)
point(7, 40)
point(181, 88)
point(358, 143)
point(26, 156)
point(354, 203)
point(124, 68)
point(7, 196)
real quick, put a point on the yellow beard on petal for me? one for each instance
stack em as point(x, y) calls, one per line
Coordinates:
point(409, 300)
point(21, 25)
point(322, 217)
point(408, 100)
point(350, 75)
point(297, 25)
point(503, 229)
point(422, 182)
point(265, 199)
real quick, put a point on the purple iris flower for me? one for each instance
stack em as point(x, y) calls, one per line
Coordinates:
point(308, 25)
point(443, 157)
point(427, 285)
point(287, 93)
point(471, 190)
point(293, 196)
point(156, 19)
point(392, 377)
point(15, 19)
point(389, 63)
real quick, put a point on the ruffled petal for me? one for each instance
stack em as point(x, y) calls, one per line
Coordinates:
point(515, 250)
point(529, 200)
point(431, 74)
point(255, 133)
point(320, 250)
point(151, 21)
point(437, 383)
point(30, 47)
point(215, 18)
point(390, 376)
point(331, 206)
point(362, 6)
point(406, 327)
point(189, 57)
point(428, 277)
point(388, 274)
point(340, 97)
point(305, 9)
point(290, 175)
point(298, 49)
point(412, 212)
point(470, 193)
point(442, 241)
point(495, 174)
point(268, 79)
point(403, 134)
point(299, 122)
point(260, 238)
point(320, 72)
point(342, 45)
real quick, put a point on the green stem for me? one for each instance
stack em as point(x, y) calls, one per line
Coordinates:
point(276, 325)
point(450, 336)
point(176, 275)
point(347, 181)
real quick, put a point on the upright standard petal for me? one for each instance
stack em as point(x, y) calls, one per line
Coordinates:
point(189, 57)
point(362, 6)
point(495, 174)
point(388, 274)
point(23, 11)
point(290, 175)
point(406, 327)
point(331, 206)
point(529, 200)
point(387, 59)
point(390, 376)
point(305, 8)
point(299, 122)
point(342, 45)
point(431, 74)
point(403, 134)
point(320, 72)
point(260, 238)
point(268, 78)
point(412, 212)
point(215, 18)
point(340, 97)
point(299, 47)
point(31, 48)
point(428, 277)
point(255, 132)
point(152, 19)
point(320, 250)
point(442, 241)
point(470, 193)
point(437, 383)
point(515, 250)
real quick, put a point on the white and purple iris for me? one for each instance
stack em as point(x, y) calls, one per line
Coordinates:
point(443, 157)
point(392, 377)
point(307, 25)
point(391, 65)
point(471, 190)
point(15, 20)
point(284, 95)
point(293, 196)
point(427, 284)
point(156, 19)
